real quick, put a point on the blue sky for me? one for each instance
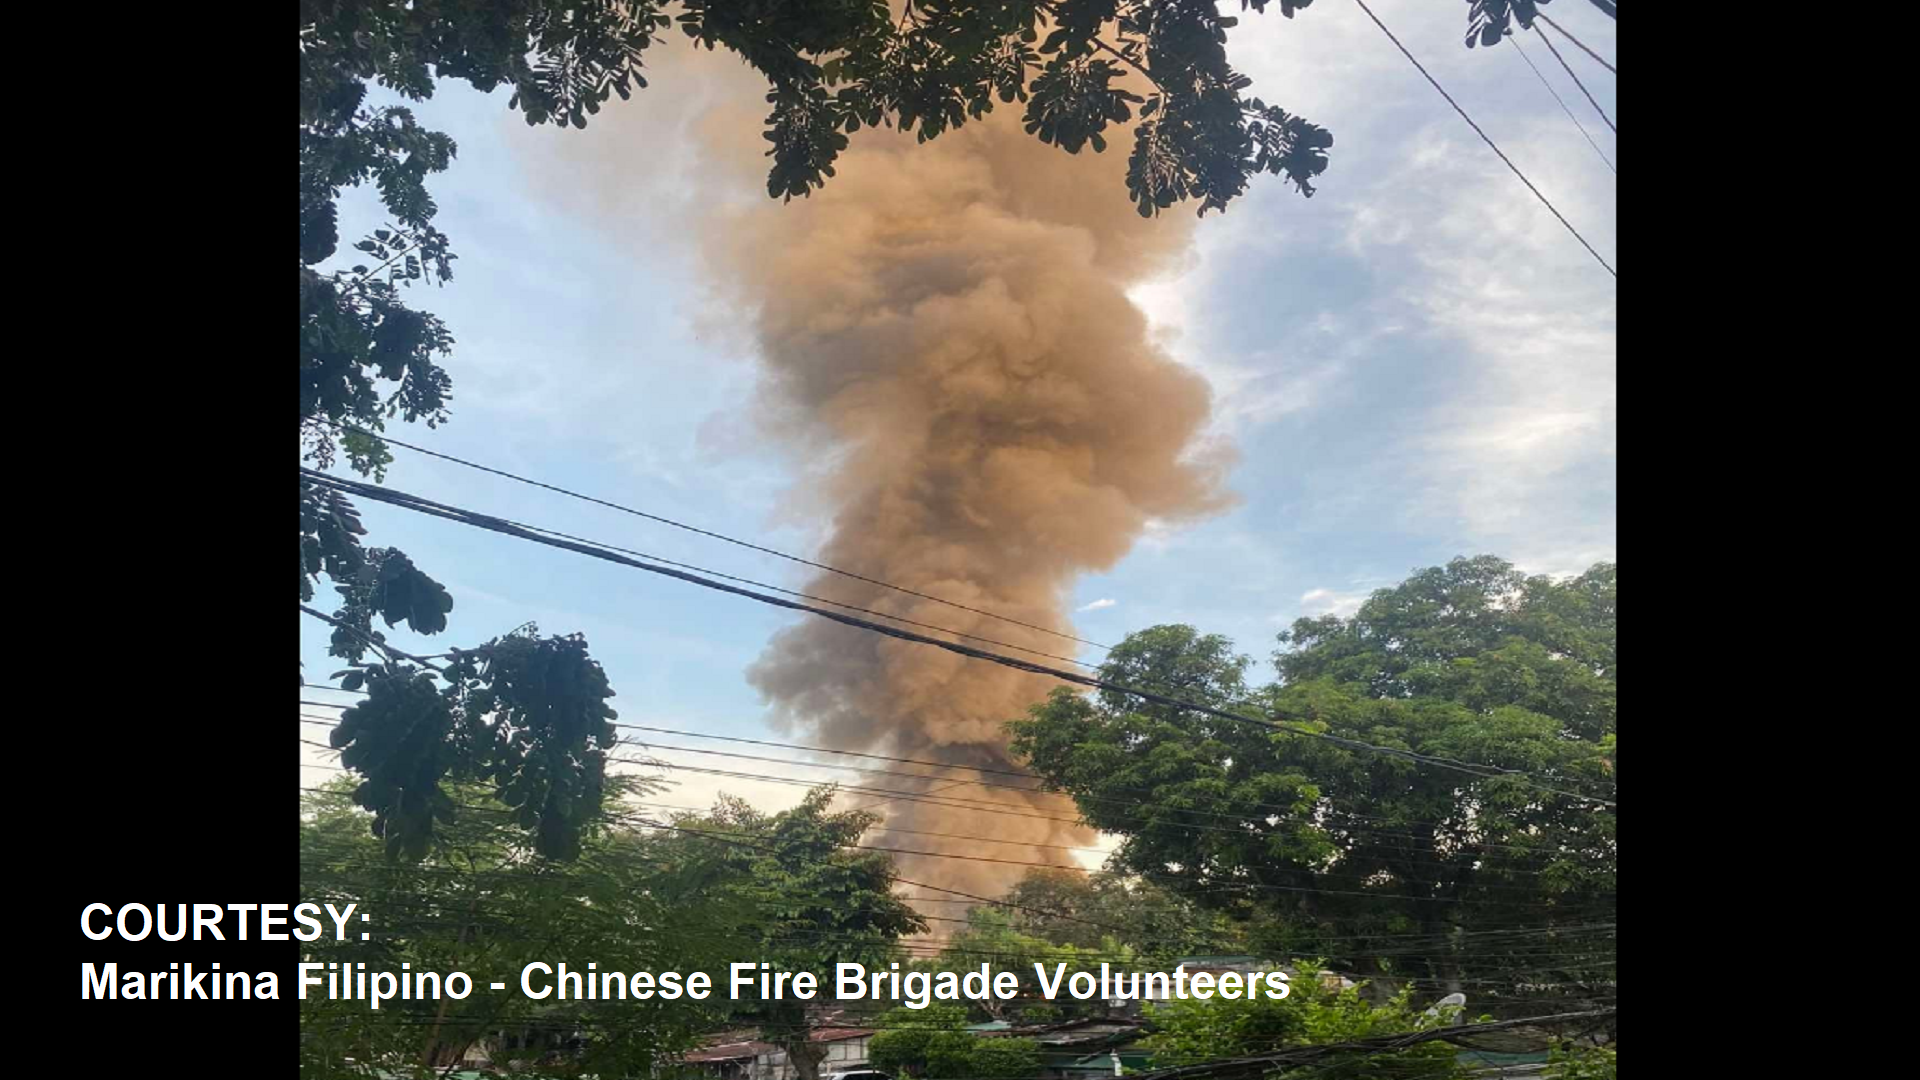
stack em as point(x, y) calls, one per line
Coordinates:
point(1416, 363)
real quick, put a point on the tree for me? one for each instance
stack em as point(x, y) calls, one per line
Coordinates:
point(833, 67)
point(908, 1038)
point(692, 897)
point(528, 715)
point(485, 902)
point(1490, 20)
point(807, 900)
point(1583, 1063)
point(933, 1044)
point(1395, 868)
point(990, 938)
point(1001, 1059)
point(1195, 1030)
point(524, 713)
point(1065, 907)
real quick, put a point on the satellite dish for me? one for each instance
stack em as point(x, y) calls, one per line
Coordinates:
point(1458, 1001)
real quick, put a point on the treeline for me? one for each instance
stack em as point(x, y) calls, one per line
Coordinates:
point(1253, 839)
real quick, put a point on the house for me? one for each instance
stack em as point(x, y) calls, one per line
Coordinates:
point(1124, 1061)
point(1078, 1049)
point(846, 1051)
point(740, 1056)
point(729, 1059)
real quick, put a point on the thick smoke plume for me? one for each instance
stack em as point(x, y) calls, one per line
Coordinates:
point(946, 326)
point(954, 317)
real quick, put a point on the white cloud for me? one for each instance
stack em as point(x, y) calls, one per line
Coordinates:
point(1331, 602)
point(1097, 605)
point(1474, 284)
point(1257, 388)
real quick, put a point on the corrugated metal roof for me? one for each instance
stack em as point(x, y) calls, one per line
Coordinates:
point(729, 1051)
point(840, 1034)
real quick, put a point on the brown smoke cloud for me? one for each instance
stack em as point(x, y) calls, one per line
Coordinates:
point(946, 329)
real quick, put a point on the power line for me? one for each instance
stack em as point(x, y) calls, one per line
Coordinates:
point(1330, 820)
point(962, 857)
point(1484, 137)
point(1559, 969)
point(1282, 810)
point(1575, 964)
point(871, 803)
point(791, 592)
point(1562, 103)
point(956, 803)
point(916, 884)
point(371, 639)
point(1249, 887)
point(735, 839)
point(890, 829)
point(467, 517)
point(978, 807)
point(1480, 847)
point(847, 753)
point(1576, 79)
point(1583, 47)
point(341, 885)
point(804, 596)
point(981, 807)
point(1347, 814)
point(717, 536)
point(766, 850)
point(1496, 871)
point(1325, 818)
point(1264, 1064)
point(345, 885)
point(869, 1022)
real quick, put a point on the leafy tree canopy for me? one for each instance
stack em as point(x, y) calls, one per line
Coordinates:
point(711, 890)
point(1105, 910)
point(1194, 1030)
point(1490, 20)
point(1583, 1063)
point(991, 938)
point(833, 67)
point(931, 1044)
point(807, 900)
point(486, 902)
point(1393, 867)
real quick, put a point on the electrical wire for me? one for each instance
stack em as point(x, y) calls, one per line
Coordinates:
point(1285, 811)
point(1484, 137)
point(1562, 103)
point(989, 807)
point(1258, 887)
point(714, 535)
point(1564, 66)
point(471, 518)
point(1583, 47)
point(732, 840)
